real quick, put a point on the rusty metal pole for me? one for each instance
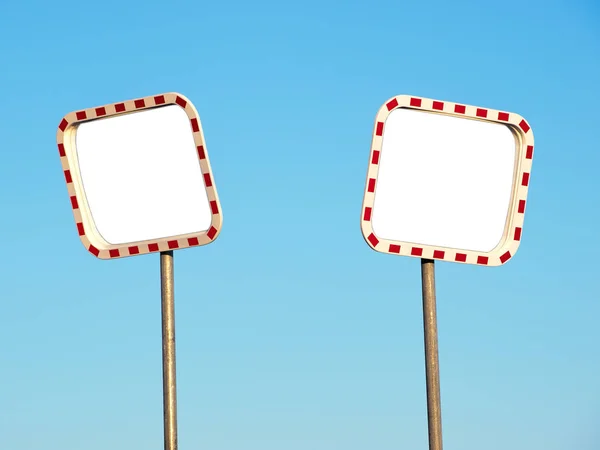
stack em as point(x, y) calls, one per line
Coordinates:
point(168, 350)
point(432, 362)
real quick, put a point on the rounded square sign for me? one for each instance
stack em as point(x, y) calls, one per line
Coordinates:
point(138, 176)
point(447, 181)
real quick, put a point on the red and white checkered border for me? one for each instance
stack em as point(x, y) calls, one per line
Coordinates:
point(86, 228)
point(509, 244)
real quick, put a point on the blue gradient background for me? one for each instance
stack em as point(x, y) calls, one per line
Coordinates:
point(292, 333)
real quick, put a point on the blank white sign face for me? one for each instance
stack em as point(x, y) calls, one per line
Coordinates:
point(444, 181)
point(141, 176)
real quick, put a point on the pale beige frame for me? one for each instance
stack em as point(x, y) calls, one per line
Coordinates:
point(86, 228)
point(512, 235)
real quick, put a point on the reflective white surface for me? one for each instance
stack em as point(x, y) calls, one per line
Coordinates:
point(443, 181)
point(141, 175)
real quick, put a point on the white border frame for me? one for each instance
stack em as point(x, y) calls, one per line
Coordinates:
point(513, 230)
point(90, 238)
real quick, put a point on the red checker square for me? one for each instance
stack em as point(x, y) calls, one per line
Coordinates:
point(518, 234)
point(505, 257)
point(140, 103)
point(521, 206)
point(460, 109)
point(207, 180)
point(100, 111)
point(201, 153)
point(503, 116)
point(379, 129)
point(63, 124)
point(152, 247)
point(173, 244)
point(68, 176)
point(134, 250)
point(81, 115)
point(394, 248)
point(524, 126)
point(392, 104)
point(525, 181)
point(529, 154)
point(159, 99)
point(193, 241)
point(181, 102)
point(120, 107)
point(438, 106)
point(213, 207)
point(481, 112)
point(416, 251)
point(74, 203)
point(460, 257)
point(367, 215)
point(114, 253)
point(61, 150)
point(415, 102)
point(371, 187)
point(212, 232)
point(195, 126)
point(80, 229)
point(375, 159)
point(93, 250)
point(482, 260)
point(439, 254)
point(373, 240)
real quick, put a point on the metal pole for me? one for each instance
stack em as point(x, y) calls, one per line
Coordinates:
point(168, 350)
point(432, 363)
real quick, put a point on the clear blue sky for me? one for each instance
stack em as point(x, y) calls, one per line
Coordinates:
point(292, 333)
